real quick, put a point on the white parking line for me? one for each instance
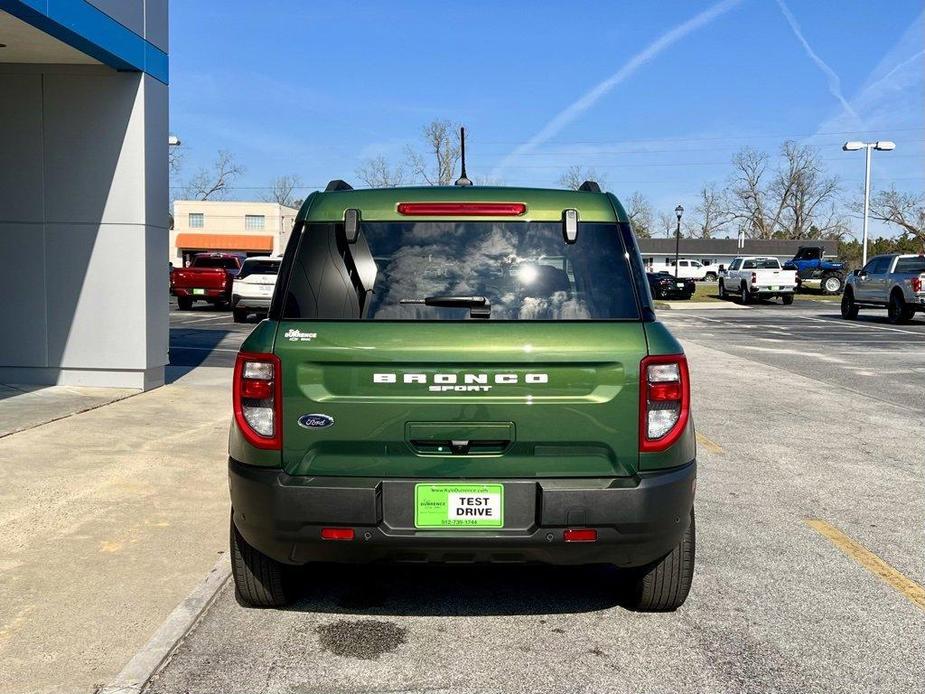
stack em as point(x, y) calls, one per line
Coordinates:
point(816, 355)
point(203, 320)
point(862, 325)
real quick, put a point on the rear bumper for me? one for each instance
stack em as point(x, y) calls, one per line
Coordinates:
point(239, 301)
point(209, 293)
point(768, 290)
point(670, 293)
point(638, 519)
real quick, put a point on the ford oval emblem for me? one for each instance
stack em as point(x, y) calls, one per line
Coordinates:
point(316, 421)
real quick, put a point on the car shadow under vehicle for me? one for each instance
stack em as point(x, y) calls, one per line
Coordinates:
point(386, 589)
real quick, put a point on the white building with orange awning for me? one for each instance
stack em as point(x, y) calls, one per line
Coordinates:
point(250, 228)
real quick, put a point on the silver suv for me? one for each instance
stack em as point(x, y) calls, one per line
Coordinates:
point(894, 281)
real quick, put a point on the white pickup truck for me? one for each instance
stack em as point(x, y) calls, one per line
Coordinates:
point(690, 269)
point(756, 277)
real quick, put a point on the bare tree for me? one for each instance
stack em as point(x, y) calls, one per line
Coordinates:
point(174, 159)
point(575, 175)
point(442, 141)
point(214, 184)
point(639, 212)
point(667, 223)
point(282, 190)
point(376, 173)
point(905, 210)
point(711, 213)
point(756, 201)
point(808, 195)
point(795, 200)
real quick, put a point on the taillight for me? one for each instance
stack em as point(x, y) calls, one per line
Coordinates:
point(916, 284)
point(337, 533)
point(664, 401)
point(462, 209)
point(754, 278)
point(580, 535)
point(257, 394)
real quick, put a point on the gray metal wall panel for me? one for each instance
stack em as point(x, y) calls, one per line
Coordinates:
point(129, 13)
point(96, 303)
point(21, 178)
point(156, 23)
point(22, 285)
point(94, 149)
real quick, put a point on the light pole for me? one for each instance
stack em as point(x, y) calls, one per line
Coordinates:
point(853, 146)
point(677, 239)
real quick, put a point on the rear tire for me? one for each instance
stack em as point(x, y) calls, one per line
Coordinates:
point(849, 309)
point(897, 310)
point(259, 581)
point(664, 585)
point(710, 277)
point(786, 299)
point(832, 284)
point(745, 297)
point(184, 303)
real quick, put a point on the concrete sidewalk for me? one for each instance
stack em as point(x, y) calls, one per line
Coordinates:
point(108, 518)
point(23, 407)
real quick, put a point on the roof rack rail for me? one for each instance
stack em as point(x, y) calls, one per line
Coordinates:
point(337, 184)
point(590, 187)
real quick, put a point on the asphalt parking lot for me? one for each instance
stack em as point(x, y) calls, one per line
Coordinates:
point(205, 336)
point(866, 356)
point(809, 568)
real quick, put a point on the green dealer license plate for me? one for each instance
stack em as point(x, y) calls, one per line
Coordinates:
point(199, 291)
point(458, 506)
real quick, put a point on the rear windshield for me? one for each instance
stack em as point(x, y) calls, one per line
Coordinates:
point(761, 264)
point(910, 265)
point(224, 263)
point(259, 267)
point(522, 270)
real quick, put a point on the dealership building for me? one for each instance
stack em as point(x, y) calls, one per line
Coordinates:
point(84, 192)
point(659, 254)
point(249, 228)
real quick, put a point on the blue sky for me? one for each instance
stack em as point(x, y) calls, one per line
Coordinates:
point(314, 88)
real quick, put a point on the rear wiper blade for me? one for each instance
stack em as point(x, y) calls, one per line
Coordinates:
point(479, 306)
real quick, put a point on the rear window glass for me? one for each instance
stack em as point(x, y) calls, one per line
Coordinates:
point(259, 267)
point(405, 270)
point(762, 264)
point(910, 264)
point(224, 263)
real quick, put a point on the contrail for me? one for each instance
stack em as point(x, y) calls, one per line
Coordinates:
point(592, 96)
point(834, 81)
point(899, 66)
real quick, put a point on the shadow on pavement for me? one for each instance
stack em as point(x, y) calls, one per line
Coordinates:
point(471, 590)
point(192, 347)
point(12, 391)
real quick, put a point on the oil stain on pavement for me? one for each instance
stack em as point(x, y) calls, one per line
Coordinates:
point(363, 639)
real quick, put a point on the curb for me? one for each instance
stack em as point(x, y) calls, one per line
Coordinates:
point(148, 660)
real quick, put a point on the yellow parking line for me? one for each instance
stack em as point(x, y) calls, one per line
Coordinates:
point(711, 446)
point(870, 561)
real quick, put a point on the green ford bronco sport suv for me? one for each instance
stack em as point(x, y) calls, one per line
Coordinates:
point(464, 374)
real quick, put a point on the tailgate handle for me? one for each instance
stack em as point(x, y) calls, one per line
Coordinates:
point(460, 447)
